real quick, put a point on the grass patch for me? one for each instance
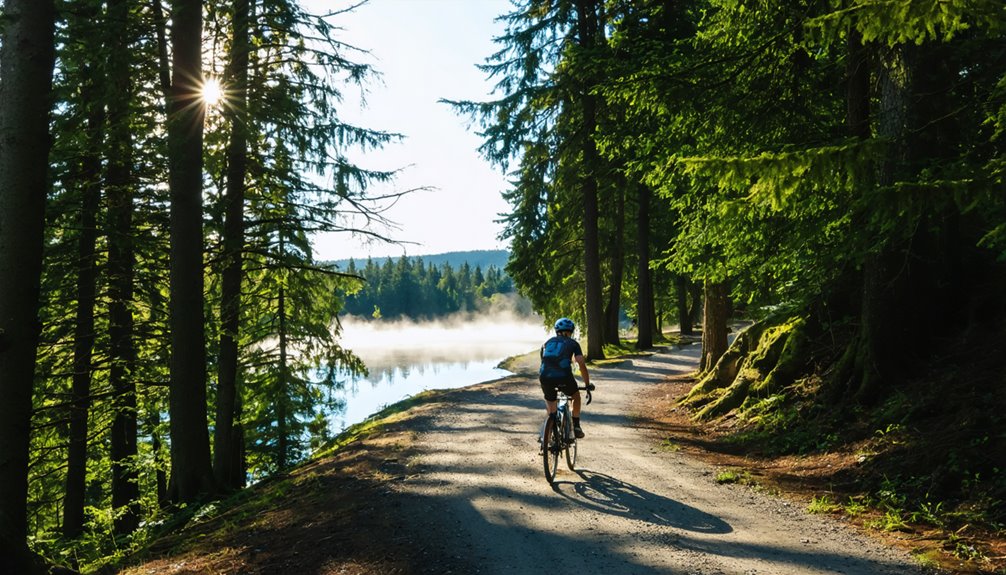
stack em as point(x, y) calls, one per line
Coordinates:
point(734, 476)
point(891, 520)
point(669, 446)
point(855, 507)
point(823, 505)
point(929, 558)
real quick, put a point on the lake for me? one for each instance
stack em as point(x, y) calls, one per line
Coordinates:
point(405, 358)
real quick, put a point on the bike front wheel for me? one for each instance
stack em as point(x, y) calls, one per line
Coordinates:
point(551, 446)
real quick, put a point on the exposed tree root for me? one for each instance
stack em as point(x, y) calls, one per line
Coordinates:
point(762, 360)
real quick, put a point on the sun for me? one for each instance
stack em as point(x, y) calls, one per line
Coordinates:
point(213, 92)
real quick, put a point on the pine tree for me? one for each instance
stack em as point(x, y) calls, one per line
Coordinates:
point(84, 178)
point(121, 271)
point(27, 55)
point(546, 116)
point(191, 470)
point(228, 437)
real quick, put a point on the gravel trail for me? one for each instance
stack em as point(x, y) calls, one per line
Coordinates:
point(476, 500)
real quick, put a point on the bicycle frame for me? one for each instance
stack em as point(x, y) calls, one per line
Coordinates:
point(557, 435)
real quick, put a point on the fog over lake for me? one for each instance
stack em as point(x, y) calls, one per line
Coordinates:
point(405, 357)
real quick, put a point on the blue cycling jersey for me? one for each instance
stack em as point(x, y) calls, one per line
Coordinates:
point(557, 357)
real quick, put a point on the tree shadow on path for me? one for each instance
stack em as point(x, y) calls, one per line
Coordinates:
point(607, 494)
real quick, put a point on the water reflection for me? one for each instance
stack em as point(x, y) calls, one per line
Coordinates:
point(400, 363)
point(406, 358)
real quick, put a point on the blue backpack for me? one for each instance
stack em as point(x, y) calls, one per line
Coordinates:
point(555, 358)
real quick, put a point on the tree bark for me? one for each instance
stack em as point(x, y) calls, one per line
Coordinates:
point(880, 268)
point(857, 73)
point(121, 263)
point(587, 30)
point(684, 314)
point(695, 298)
point(89, 181)
point(192, 472)
point(27, 57)
point(646, 320)
point(613, 310)
point(714, 323)
point(225, 432)
point(161, 480)
point(282, 383)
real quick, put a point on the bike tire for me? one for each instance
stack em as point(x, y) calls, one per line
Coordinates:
point(551, 446)
point(570, 444)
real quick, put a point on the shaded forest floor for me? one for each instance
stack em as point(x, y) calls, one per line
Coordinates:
point(333, 515)
point(337, 514)
point(858, 474)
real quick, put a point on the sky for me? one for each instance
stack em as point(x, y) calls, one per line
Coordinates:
point(425, 50)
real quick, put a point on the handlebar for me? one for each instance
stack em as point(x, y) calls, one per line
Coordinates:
point(588, 388)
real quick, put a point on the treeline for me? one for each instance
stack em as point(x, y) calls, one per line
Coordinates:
point(162, 317)
point(834, 168)
point(410, 288)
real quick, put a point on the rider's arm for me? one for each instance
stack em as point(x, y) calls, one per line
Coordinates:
point(583, 369)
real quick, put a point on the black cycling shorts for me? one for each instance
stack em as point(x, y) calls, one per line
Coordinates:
point(549, 385)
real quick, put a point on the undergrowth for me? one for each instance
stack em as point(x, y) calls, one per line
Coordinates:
point(928, 457)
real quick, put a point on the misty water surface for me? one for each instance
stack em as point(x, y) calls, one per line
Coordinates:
point(405, 358)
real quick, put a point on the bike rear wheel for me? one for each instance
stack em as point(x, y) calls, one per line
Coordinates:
point(550, 448)
point(570, 444)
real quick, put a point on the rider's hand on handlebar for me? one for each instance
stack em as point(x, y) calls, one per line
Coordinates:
point(591, 387)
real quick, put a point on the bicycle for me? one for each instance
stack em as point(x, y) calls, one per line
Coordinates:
point(557, 436)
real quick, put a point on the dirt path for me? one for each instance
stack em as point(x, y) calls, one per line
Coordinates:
point(475, 499)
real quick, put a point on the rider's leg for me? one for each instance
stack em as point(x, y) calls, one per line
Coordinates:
point(552, 406)
point(576, 415)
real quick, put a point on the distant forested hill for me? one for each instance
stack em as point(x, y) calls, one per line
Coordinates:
point(475, 259)
point(431, 286)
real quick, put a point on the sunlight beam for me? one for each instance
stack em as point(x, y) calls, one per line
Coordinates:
point(212, 92)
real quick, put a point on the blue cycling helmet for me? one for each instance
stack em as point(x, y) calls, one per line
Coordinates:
point(564, 324)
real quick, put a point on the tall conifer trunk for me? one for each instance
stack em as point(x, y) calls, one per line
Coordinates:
point(684, 314)
point(714, 323)
point(857, 73)
point(89, 181)
point(121, 264)
point(587, 30)
point(161, 479)
point(613, 309)
point(282, 382)
point(226, 434)
point(27, 56)
point(645, 317)
point(878, 338)
point(191, 468)
point(695, 301)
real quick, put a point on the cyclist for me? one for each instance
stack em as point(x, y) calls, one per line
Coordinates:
point(556, 372)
